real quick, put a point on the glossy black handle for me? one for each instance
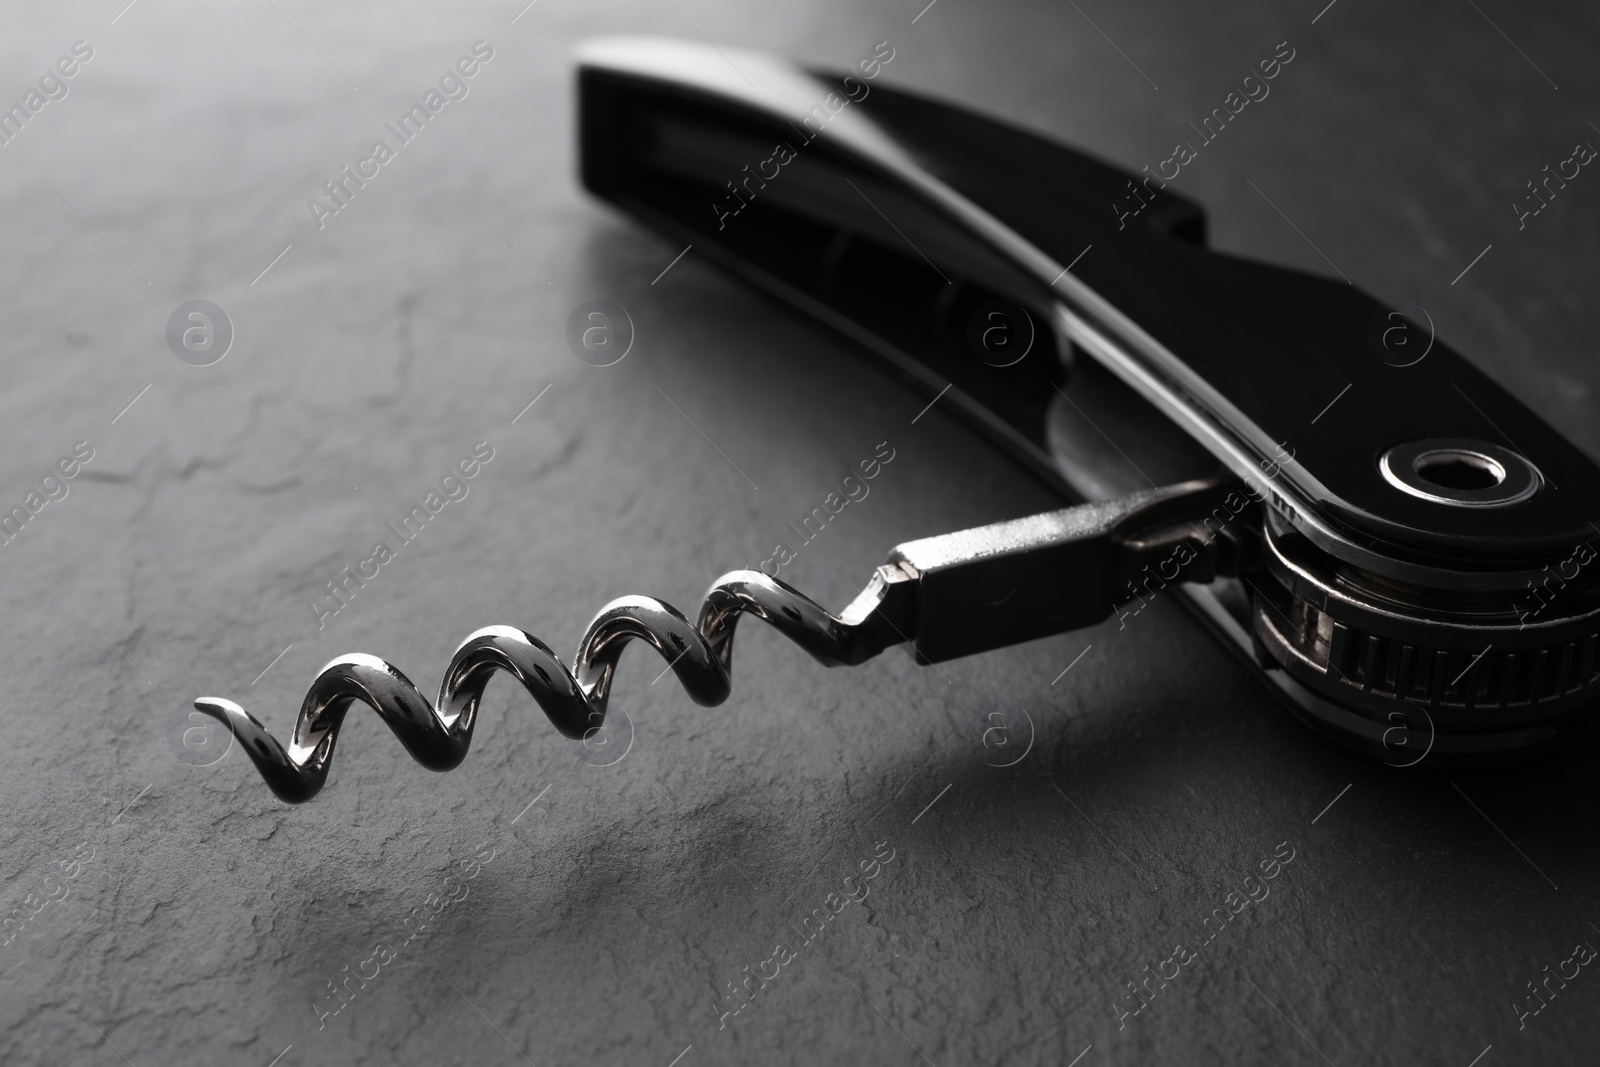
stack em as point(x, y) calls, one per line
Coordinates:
point(782, 204)
point(899, 220)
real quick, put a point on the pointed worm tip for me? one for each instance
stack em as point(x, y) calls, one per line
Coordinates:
point(219, 708)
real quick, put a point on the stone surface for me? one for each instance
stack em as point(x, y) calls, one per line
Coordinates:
point(202, 920)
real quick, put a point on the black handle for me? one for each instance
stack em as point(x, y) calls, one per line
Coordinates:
point(899, 220)
point(782, 205)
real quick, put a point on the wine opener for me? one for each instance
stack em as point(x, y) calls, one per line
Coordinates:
point(1406, 570)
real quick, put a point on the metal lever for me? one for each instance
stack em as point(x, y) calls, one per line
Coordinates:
point(975, 590)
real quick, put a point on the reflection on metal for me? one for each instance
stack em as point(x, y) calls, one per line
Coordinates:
point(438, 734)
point(1462, 473)
point(947, 596)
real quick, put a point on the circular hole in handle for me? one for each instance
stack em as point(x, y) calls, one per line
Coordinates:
point(1460, 472)
point(1453, 468)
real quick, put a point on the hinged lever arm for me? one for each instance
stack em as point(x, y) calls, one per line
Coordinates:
point(971, 591)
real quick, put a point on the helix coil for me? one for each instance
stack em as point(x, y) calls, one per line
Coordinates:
point(438, 735)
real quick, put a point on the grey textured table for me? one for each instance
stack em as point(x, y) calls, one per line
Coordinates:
point(162, 912)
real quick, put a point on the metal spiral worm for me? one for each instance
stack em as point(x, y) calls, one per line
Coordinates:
point(438, 735)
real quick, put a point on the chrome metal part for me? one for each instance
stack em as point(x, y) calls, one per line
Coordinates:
point(1015, 581)
point(437, 735)
point(1496, 671)
point(947, 596)
point(1460, 472)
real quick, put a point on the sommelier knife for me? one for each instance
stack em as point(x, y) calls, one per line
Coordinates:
point(1410, 575)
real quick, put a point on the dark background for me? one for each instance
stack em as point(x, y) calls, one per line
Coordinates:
point(210, 917)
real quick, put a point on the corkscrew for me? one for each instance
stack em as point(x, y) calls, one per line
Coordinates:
point(1405, 565)
point(946, 596)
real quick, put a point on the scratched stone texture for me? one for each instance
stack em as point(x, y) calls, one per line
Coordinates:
point(164, 913)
